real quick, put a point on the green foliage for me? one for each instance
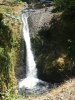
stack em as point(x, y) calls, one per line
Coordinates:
point(12, 96)
point(9, 46)
point(4, 69)
point(3, 59)
point(69, 11)
point(68, 21)
point(5, 35)
point(1, 17)
point(65, 4)
point(5, 47)
point(59, 3)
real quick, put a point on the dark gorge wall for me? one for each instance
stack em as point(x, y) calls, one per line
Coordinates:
point(50, 44)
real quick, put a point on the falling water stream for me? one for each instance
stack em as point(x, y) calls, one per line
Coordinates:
point(31, 82)
point(31, 72)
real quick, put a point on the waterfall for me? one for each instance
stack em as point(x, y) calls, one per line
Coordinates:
point(31, 71)
point(31, 65)
point(31, 82)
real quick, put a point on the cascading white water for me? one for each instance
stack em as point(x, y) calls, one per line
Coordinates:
point(31, 65)
point(31, 72)
point(31, 82)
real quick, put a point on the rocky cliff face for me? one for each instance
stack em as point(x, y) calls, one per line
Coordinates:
point(49, 44)
point(38, 19)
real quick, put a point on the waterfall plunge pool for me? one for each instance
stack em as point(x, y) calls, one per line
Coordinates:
point(32, 85)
